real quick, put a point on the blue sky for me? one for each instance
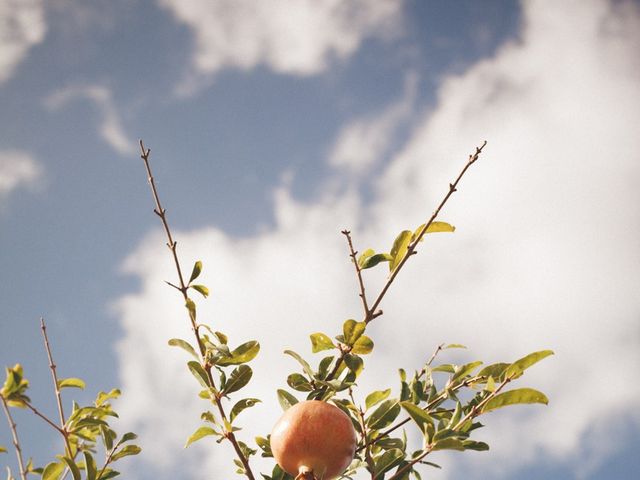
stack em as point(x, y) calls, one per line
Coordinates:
point(273, 126)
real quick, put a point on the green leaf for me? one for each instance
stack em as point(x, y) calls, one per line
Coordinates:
point(363, 257)
point(199, 372)
point(89, 465)
point(186, 346)
point(127, 437)
point(418, 415)
point(320, 341)
point(305, 366)
point(71, 382)
point(435, 227)
point(515, 397)
point(399, 249)
point(465, 370)
point(473, 445)
point(2, 449)
point(376, 397)
point(388, 460)
point(354, 363)
point(201, 289)
point(384, 415)
point(222, 338)
point(126, 451)
point(238, 379)
point(362, 346)
point(191, 306)
point(200, 433)
point(352, 331)
point(243, 354)
point(286, 399)
point(449, 444)
point(454, 345)
point(495, 370)
point(197, 268)
point(108, 474)
point(242, 405)
point(373, 260)
point(53, 471)
point(104, 397)
point(264, 445)
point(299, 382)
point(516, 368)
point(73, 468)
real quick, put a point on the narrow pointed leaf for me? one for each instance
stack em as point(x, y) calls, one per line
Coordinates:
point(242, 354)
point(388, 460)
point(305, 366)
point(186, 346)
point(384, 415)
point(90, 466)
point(242, 405)
point(201, 289)
point(197, 268)
point(71, 382)
point(417, 414)
point(376, 397)
point(126, 451)
point(519, 366)
point(238, 379)
point(199, 372)
point(286, 399)
point(515, 397)
point(200, 433)
point(373, 260)
point(399, 249)
point(435, 227)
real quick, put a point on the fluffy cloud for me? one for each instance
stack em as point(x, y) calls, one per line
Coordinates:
point(110, 128)
point(299, 38)
point(22, 25)
point(545, 256)
point(17, 169)
point(364, 141)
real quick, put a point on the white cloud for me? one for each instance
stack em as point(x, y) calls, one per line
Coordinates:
point(22, 25)
point(365, 141)
point(545, 256)
point(17, 169)
point(300, 37)
point(110, 128)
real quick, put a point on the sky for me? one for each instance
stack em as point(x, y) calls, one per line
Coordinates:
point(272, 127)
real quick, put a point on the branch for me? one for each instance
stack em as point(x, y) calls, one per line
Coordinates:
point(365, 437)
point(352, 254)
point(374, 312)
point(54, 376)
point(400, 473)
point(14, 435)
point(161, 212)
point(47, 420)
point(412, 246)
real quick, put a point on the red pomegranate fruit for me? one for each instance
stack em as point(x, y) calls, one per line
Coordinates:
point(313, 440)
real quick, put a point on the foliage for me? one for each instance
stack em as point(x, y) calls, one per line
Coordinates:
point(441, 402)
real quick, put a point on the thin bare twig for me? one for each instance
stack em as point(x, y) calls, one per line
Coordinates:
point(16, 440)
point(54, 376)
point(46, 419)
point(352, 254)
point(183, 288)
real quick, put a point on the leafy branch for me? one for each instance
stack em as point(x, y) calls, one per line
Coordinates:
point(202, 369)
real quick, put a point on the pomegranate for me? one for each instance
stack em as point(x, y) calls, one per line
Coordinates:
point(313, 440)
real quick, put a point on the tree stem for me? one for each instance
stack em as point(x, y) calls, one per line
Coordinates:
point(16, 440)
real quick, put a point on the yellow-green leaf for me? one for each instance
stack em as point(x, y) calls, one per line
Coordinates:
point(352, 331)
point(515, 397)
point(200, 433)
point(376, 397)
point(519, 366)
point(204, 291)
point(201, 375)
point(71, 382)
point(186, 346)
point(53, 471)
point(320, 341)
point(362, 346)
point(238, 379)
point(197, 268)
point(399, 249)
point(434, 227)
